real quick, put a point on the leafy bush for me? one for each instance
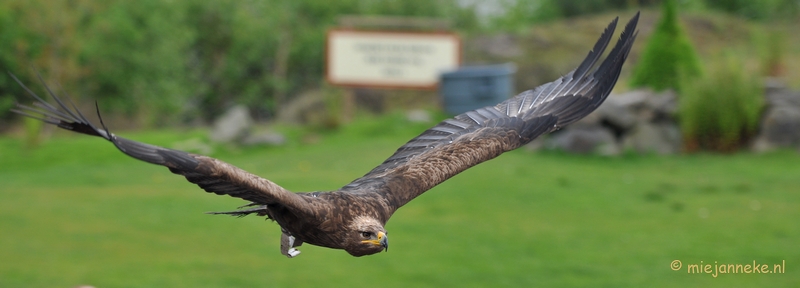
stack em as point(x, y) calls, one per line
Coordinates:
point(668, 53)
point(720, 111)
point(772, 52)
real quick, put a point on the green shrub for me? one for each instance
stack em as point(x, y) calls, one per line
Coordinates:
point(720, 111)
point(772, 52)
point(668, 53)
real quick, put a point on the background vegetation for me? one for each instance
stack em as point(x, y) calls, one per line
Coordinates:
point(187, 58)
point(185, 61)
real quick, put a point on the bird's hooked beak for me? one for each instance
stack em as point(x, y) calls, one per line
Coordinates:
point(382, 240)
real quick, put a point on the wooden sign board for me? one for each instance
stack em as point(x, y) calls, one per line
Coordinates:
point(390, 59)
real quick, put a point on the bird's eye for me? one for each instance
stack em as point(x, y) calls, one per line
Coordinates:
point(365, 234)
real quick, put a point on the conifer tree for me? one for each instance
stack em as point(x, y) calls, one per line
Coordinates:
point(668, 53)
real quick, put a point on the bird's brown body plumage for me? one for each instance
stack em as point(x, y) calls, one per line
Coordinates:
point(352, 218)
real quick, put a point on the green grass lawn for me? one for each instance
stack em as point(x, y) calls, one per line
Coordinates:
point(76, 211)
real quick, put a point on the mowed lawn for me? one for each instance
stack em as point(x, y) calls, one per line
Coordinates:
point(78, 212)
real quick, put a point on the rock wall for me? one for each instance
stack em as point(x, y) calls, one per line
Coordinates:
point(641, 120)
point(644, 121)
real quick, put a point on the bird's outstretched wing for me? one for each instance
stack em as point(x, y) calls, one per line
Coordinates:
point(459, 143)
point(210, 174)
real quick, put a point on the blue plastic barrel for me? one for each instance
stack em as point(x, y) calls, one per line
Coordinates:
point(473, 87)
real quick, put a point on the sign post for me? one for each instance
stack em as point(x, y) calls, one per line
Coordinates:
point(390, 59)
point(388, 52)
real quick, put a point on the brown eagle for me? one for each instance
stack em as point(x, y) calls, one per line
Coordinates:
point(353, 217)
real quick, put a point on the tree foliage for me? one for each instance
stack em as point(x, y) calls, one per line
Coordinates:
point(181, 59)
point(668, 53)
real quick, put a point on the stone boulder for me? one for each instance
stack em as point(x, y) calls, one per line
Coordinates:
point(584, 140)
point(660, 138)
point(639, 120)
point(306, 108)
point(780, 124)
point(419, 116)
point(232, 126)
point(264, 138)
point(647, 105)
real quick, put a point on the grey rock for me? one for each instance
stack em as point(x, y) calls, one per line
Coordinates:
point(661, 138)
point(615, 111)
point(782, 97)
point(306, 108)
point(633, 99)
point(646, 105)
point(418, 116)
point(639, 120)
point(635, 104)
point(194, 145)
point(592, 120)
point(264, 138)
point(772, 84)
point(664, 104)
point(232, 126)
point(779, 128)
point(780, 125)
point(537, 144)
point(585, 140)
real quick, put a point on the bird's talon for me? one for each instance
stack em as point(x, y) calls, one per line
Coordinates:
point(292, 253)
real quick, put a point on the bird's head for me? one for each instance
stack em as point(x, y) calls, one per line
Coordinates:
point(366, 236)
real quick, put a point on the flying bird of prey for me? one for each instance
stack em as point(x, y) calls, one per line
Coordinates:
point(353, 217)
